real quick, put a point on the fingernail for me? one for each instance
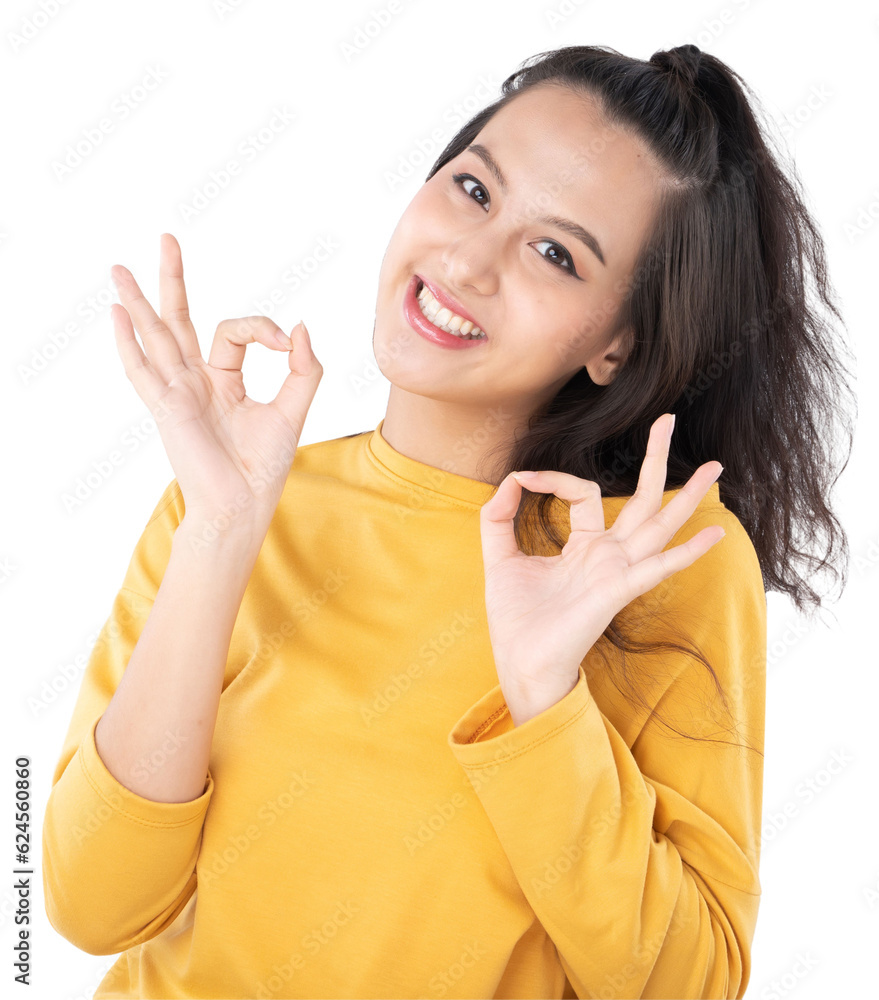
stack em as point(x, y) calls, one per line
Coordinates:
point(525, 475)
point(671, 426)
point(283, 340)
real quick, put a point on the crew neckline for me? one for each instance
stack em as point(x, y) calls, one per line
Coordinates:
point(470, 492)
point(423, 477)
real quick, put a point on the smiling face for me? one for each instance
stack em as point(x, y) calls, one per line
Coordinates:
point(537, 288)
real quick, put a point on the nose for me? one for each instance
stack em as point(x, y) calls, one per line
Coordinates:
point(471, 262)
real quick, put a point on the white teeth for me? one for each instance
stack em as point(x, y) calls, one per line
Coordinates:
point(445, 319)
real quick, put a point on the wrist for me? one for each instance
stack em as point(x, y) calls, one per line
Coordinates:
point(524, 703)
point(212, 539)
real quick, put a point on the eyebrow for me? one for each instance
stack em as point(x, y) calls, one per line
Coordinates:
point(575, 230)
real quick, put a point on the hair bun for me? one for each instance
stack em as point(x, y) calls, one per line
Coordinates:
point(682, 61)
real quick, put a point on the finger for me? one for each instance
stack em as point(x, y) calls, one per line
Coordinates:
point(298, 388)
point(656, 532)
point(233, 335)
point(583, 495)
point(647, 498)
point(645, 575)
point(140, 372)
point(496, 523)
point(173, 303)
point(159, 343)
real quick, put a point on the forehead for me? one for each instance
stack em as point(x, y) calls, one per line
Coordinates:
point(561, 158)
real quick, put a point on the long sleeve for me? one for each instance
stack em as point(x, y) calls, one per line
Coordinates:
point(117, 867)
point(638, 849)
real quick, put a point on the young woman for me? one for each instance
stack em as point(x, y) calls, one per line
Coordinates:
point(471, 705)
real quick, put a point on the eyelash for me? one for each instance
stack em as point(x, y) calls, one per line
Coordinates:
point(457, 178)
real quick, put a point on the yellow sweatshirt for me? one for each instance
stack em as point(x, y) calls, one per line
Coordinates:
point(372, 823)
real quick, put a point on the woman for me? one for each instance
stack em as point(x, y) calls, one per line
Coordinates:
point(406, 721)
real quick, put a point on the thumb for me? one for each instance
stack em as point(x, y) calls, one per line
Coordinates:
point(299, 387)
point(496, 522)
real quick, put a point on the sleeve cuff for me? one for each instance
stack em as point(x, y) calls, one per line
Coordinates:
point(126, 802)
point(485, 734)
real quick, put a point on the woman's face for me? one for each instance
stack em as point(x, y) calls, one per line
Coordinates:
point(544, 299)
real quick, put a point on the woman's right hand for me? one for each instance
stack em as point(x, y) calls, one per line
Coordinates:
point(230, 454)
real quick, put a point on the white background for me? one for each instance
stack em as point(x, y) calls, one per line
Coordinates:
point(333, 174)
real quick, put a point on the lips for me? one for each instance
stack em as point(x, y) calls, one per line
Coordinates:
point(446, 300)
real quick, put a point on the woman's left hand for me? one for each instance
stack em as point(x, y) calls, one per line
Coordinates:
point(546, 612)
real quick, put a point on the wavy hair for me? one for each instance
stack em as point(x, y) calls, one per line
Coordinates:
point(728, 330)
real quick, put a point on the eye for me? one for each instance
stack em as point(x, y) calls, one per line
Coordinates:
point(564, 256)
point(458, 178)
point(562, 260)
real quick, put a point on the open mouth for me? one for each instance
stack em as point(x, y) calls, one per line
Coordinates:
point(444, 318)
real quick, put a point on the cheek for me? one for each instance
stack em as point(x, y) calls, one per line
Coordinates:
point(544, 319)
point(417, 227)
point(564, 337)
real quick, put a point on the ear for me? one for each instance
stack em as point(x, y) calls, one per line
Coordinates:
point(604, 367)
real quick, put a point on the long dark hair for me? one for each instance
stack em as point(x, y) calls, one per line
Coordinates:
point(724, 333)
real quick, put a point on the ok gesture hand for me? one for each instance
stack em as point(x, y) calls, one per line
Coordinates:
point(228, 452)
point(546, 612)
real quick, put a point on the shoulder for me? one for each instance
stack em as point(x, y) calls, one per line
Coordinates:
point(733, 555)
point(730, 564)
point(722, 586)
point(716, 605)
point(327, 456)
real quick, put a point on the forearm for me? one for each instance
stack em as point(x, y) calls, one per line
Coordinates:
point(155, 735)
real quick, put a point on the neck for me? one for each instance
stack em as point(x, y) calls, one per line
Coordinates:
point(467, 441)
